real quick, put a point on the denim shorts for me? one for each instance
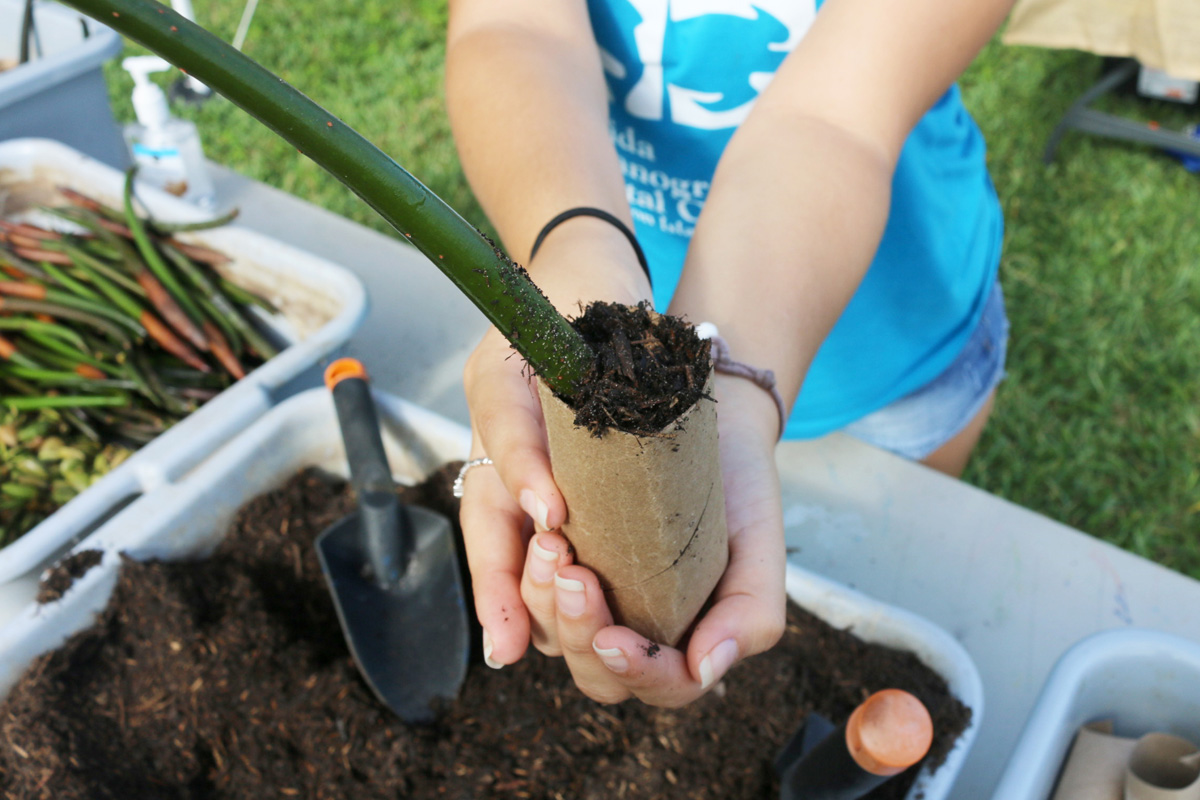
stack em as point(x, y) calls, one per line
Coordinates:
point(919, 423)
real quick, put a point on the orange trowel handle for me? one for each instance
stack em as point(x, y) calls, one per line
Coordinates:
point(884, 736)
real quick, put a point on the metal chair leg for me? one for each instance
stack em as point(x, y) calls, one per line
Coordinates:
point(1080, 117)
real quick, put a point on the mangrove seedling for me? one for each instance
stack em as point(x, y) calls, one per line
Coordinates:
point(494, 283)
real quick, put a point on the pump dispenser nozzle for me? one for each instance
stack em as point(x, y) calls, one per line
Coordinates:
point(167, 150)
point(149, 101)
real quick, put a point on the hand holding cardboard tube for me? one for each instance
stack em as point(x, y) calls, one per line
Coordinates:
point(529, 588)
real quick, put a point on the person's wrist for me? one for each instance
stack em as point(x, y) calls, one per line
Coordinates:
point(749, 408)
point(587, 259)
point(594, 212)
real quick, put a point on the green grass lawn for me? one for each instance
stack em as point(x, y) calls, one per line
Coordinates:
point(1098, 424)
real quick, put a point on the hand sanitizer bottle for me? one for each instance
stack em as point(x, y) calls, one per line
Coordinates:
point(165, 149)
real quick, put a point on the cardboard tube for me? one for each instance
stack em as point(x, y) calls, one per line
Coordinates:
point(1163, 767)
point(1095, 766)
point(645, 513)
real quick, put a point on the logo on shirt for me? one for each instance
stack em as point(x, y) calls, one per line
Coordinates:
point(696, 63)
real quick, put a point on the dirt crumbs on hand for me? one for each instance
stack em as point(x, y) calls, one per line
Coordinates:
point(229, 678)
point(62, 576)
point(649, 369)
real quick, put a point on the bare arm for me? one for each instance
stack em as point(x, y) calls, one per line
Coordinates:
point(801, 195)
point(529, 110)
point(528, 106)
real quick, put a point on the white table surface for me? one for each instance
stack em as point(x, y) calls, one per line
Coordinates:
point(1015, 588)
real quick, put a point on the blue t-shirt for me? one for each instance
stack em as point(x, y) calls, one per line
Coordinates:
point(682, 74)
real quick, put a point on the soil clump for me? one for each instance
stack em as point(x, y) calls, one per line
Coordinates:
point(59, 578)
point(649, 369)
point(228, 677)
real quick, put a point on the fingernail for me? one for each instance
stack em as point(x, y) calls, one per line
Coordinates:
point(487, 652)
point(613, 658)
point(543, 564)
point(570, 596)
point(535, 508)
point(718, 660)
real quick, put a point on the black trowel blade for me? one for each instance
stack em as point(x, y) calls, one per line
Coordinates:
point(410, 640)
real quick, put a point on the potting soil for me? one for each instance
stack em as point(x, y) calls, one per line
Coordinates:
point(649, 369)
point(62, 575)
point(228, 677)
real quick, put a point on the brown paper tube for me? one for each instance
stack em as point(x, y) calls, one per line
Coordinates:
point(1163, 767)
point(645, 513)
point(1095, 766)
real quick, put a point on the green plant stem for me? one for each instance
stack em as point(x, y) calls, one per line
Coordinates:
point(167, 228)
point(226, 314)
point(57, 377)
point(64, 401)
point(12, 260)
point(20, 359)
point(248, 299)
point(86, 262)
point(48, 329)
point(222, 322)
point(115, 294)
point(152, 258)
point(151, 383)
point(58, 310)
point(60, 276)
point(497, 286)
point(95, 308)
point(49, 350)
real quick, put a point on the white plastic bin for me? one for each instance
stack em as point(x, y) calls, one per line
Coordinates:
point(188, 518)
point(321, 305)
point(1143, 680)
point(879, 623)
point(59, 93)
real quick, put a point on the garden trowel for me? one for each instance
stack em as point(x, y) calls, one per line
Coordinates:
point(392, 570)
point(888, 733)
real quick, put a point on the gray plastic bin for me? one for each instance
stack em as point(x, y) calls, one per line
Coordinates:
point(60, 92)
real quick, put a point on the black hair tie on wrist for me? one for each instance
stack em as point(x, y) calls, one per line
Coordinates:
point(599, 213)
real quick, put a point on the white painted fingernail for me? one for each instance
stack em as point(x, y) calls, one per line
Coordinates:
point(613, 658)
point(717, 662)
point(543, 564)
point(535, 507)
point(487, 652)
point(570, 596)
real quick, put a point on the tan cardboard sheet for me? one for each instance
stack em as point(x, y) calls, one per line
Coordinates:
point(1163, 34)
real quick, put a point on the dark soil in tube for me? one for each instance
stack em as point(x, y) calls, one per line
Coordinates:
point(649, 369)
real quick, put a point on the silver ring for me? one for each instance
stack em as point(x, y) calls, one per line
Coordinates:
point(462, 473)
